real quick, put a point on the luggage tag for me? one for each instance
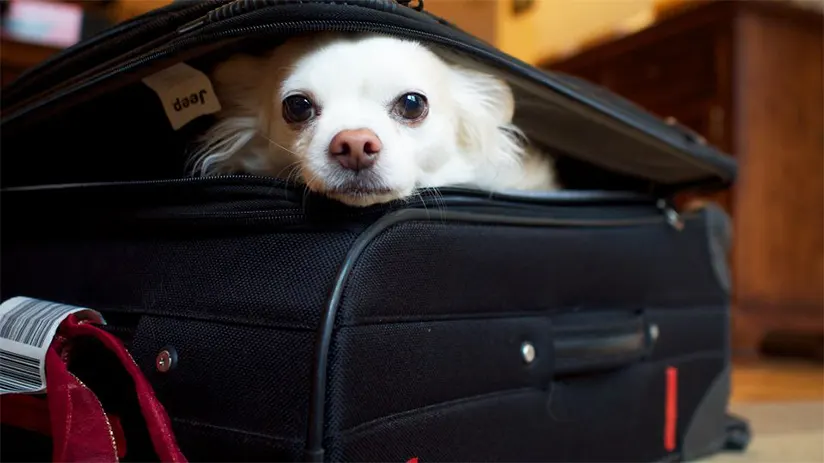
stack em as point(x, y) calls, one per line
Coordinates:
point(27, 328)
point(39, 337)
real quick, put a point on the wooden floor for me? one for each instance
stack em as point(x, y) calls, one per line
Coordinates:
point(777, 380)
point(783, 402)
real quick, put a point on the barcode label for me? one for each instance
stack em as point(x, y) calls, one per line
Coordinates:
point(27, 327)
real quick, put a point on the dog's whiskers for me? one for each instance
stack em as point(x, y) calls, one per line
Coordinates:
point(308, 180)
point(292, 169)
point(279, 145)
point(417, 193)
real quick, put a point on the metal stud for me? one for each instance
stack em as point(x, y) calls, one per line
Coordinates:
point(528, 352)
point(166, 359)
point(674, 219)
point(653, 332)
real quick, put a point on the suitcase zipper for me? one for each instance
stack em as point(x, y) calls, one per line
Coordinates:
point(671, 214)
point(437, 204)
point(294, 191)
point(296, 27)
point(240, 8)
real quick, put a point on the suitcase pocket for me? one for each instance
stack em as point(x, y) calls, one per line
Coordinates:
point(618, 415)
point(233, 391)
point(435, 362)
point(611, 416)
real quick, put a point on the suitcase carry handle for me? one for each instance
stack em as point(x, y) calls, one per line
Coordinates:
point(585, 342)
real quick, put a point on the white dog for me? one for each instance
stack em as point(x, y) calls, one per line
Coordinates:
point(367, 119)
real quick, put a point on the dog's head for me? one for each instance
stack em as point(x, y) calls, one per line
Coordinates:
point(360, 119)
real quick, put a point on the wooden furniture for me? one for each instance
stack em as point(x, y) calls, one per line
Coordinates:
point(748, 76)
point(18, 55)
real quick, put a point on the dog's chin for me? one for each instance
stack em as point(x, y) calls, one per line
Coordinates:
point(362, 193)
point(363, 198)
point(359, 192)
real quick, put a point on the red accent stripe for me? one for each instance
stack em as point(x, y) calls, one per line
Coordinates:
point(671, 409)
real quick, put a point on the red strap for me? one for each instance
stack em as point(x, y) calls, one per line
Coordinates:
point(80, 429)
point(25, 412)
point(157, 421)
point(31, 413)
point(72, 415)
point(671, 409)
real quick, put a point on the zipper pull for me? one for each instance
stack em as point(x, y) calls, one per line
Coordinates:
point(407, 3)
point(190, 26)
point(689, 134)
point(674, 219)
point(223, 11)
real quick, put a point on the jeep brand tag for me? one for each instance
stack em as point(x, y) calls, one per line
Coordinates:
point(186, 93)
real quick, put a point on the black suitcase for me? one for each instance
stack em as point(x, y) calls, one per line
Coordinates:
point(590, 324)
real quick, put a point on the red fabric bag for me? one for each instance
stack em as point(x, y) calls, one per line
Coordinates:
point(74, 416)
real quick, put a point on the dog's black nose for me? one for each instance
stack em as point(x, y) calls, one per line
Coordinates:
point(355, 149)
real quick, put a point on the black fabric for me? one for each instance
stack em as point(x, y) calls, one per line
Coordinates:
point(403, 358)
point(600, 418)
point(612, 416)
point(277, 279)
point(20, 445)
point(234, 382)
point(425, 359)
point(582, 267)
point(690, 330)
point(396, 382)
point(207, 443)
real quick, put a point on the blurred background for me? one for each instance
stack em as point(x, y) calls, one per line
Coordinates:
point(746, 75)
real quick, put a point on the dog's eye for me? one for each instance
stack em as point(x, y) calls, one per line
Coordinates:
point(411, 106)
point(297, 108)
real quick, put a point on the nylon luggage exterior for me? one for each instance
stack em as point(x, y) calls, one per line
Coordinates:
point(579, 325)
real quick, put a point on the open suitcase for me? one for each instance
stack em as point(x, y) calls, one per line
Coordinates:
point(590, 324)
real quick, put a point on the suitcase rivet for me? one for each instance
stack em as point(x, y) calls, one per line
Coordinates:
point(528, 352)
point(165, 360)
point(653, 332)
point(674, 219)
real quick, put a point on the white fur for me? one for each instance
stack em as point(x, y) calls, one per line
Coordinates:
point(467, 138)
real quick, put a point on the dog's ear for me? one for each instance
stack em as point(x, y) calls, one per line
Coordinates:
point(241, 95)
point(484, 107)
point(238, 84)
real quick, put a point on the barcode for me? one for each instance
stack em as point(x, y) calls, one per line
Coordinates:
point(27, 327)
point(30, 322)
point(19, 373)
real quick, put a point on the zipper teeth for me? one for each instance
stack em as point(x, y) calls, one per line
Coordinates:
point(230, 9)
point(435, 199)
point(313, 26)
point(296, 26)
point(167, 51)
point(239, 7)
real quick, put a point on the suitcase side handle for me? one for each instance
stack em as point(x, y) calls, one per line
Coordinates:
point(588, 342)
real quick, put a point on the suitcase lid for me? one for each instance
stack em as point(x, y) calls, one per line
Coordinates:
point(562, 114)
